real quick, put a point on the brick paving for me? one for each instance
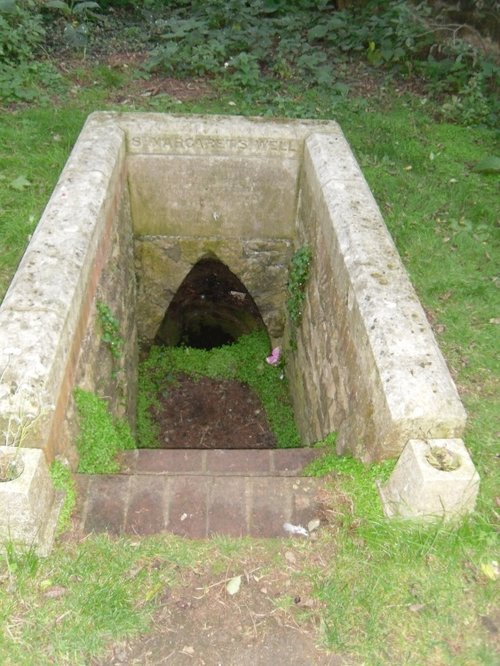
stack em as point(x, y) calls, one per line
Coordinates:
point(223, 462)
point(197, 494)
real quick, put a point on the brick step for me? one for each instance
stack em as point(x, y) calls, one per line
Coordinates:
point(195, 506)
point(221, 462)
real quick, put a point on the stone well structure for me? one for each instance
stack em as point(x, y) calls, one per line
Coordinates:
point(143, 198)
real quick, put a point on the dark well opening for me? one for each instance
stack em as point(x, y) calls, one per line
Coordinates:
point(211, 308)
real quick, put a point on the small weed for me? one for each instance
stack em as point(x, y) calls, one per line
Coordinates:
point(77, 16)
point(63, 480)
point(101, 436)
point(20, 560)
point(298, 275)
point(110, 330)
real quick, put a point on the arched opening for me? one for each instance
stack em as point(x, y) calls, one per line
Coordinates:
point(211, 308)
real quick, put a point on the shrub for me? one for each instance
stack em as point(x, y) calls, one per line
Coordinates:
point(21, 35)
point(21, 31)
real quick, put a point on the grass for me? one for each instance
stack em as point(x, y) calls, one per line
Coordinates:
point(62, 609)
point(387, 592)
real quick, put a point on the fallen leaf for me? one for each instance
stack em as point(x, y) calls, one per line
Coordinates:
point(290, 557)
point(20, 183)
point(313, 524)
point(490, 164)
point(55, 592)
point(495, 320)
point(491, 569)
point(233, 586)
point(187, 649)
point(416, 608)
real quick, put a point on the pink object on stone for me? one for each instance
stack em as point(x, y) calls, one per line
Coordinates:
point(274, 359)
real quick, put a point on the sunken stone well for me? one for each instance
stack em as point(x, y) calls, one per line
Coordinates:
point(143, 199)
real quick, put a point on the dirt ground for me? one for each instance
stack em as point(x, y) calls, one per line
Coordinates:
point(203, 413)
point(201, 624)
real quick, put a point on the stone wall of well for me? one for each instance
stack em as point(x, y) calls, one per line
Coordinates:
point(223, 188)
point(367, 364)
point(81, 252)
point(98, 371)
point(162, 263)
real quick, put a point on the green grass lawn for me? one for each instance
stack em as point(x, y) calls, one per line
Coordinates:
point(391, 593)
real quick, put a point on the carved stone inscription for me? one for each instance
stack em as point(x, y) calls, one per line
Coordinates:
point(211, 145)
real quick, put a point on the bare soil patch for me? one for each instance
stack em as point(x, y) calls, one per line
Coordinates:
point(271, 620)
point(204, 413)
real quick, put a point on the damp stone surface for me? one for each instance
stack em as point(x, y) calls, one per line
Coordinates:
point(142, 199)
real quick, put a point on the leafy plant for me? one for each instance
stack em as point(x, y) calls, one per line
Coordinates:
point(76, 14)
point(21, 36)
point(73, 7)
point(110, 330)
point(101, 435)
point(21, 31)
point(298, 275)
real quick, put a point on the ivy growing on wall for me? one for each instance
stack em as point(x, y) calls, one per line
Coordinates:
point(298, 276)
point(110, 330)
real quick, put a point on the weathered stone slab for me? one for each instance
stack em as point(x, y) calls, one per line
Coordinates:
point(433, 479)
point(29, 507)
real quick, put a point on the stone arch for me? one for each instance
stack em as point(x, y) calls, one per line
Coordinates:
point(210, 308)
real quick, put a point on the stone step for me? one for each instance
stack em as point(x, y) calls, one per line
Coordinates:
point(195, 506)
point(221, 462)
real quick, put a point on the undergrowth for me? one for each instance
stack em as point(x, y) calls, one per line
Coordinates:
point(251, 45)
point(244, 360)
point(101, 436)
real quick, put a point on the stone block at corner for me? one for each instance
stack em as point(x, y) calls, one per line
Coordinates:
point(419, 489)
point(28, 504)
